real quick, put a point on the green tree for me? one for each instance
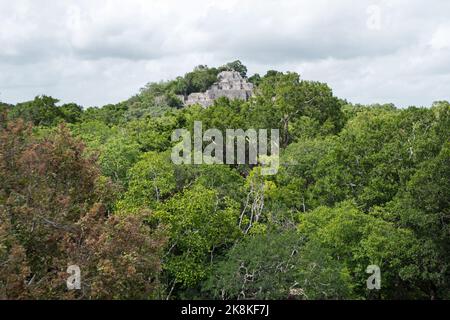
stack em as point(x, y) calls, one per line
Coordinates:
point(71, 112)
point(42, 111)
point(200, 79)
point(235, 66)
point(150, 181)
point(424, 207)
point(255, 79)
point(277, 266)
point(359, 240)
point(282, 99)
point(117, 157)
point(200, 225)
point(111, 114)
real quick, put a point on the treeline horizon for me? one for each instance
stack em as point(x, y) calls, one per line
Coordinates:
point(358, 185)
point(198, 80)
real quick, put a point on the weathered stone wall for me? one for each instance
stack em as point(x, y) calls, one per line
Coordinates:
point(230, 84)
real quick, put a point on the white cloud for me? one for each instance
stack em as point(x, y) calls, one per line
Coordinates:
point(103, 51)
point(441, 37)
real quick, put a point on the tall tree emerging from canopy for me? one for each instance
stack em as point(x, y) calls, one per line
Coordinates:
point(43, 111)
point(282, 99)
point(236, 66)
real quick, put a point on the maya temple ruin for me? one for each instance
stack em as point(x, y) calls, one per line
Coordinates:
point(230, 84)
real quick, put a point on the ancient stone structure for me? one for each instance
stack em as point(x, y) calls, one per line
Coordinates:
point(230, 84)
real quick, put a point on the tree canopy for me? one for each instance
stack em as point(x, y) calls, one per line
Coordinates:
point(358, 185)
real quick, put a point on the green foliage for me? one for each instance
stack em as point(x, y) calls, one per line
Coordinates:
point(376, 153)
point(357, 185)
point(235, 66)
point(258, 267)
point(151, 102)
point(199, 225)
point(41, 111)
point(153, 134)
point(296, 179)
point(278, 266)
point(109, 114)
point(424, 207)
point(117, 157)
point(224, 180)
point(71, 112)
point(94, 133)
point(199, 80)
point(282, 99)
point(255, 79)
point(319, 275)
point(150, 181)
point(359, 240)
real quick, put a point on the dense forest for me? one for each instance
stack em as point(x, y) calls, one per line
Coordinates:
point(358, 185)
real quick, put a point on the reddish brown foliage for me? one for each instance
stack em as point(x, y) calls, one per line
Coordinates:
point(53, 214)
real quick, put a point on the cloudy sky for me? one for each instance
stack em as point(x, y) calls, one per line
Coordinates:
point(95, 52)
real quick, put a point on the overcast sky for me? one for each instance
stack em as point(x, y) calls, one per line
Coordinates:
point(95, 52)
